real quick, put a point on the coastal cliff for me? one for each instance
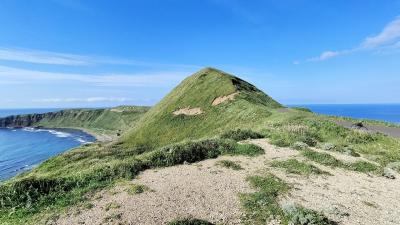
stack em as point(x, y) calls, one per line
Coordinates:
point(112, 121)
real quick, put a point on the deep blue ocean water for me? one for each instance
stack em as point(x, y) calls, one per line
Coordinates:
point(22, 149)
point(383, 112)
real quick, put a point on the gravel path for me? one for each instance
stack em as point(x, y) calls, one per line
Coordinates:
point(206, 191)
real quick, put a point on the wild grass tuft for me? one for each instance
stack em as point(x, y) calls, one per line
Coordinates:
point(189, 221)
point(263, 205)
point(229, 164)
point(239, 135)
point(328, 160)
point(297, 167)
point(134, 189)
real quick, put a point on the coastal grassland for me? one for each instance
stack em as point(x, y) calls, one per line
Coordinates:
point(248, 111)
point(102, 121)
point(263, 205)
point(288, 128)
point(68, 178)
point(108, 121)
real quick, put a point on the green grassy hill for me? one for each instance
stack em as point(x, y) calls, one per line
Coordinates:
point(248, 109)
point(166, 135)
point(98, 121)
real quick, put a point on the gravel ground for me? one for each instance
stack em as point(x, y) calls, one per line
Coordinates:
point(206, 191)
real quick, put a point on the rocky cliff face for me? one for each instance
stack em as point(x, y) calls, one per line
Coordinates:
point(22, 120)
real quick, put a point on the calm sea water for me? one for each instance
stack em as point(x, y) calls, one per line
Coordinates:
point(22, 149)
point(383, 112)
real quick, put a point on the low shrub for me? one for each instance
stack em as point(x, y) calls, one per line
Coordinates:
point(296, 214)
point(239, 135)
point(300, 145)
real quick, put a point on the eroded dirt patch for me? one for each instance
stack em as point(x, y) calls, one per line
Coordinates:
point(222, 99)
point(188, 111)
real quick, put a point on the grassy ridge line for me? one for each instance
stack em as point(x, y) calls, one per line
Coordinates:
point(159, 127)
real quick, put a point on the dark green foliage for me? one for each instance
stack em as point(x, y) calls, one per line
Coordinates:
point(297, 167)
point(363, 166)
point(189, 221)
point(298, 215)
point(229, 164)
point(239, 135)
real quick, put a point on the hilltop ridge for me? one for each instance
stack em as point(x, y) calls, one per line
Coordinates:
point(203, 105)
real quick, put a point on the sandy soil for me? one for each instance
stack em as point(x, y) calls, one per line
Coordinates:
point(222, 99)
point(206, 191)
point(188, 111)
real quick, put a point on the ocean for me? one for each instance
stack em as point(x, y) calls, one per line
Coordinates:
point(22, 149)
point(384, 112)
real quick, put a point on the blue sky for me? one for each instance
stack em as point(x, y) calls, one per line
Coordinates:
point(77, 53)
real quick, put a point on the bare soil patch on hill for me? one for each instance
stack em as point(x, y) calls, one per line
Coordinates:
point(222, 99)
point(188, 111)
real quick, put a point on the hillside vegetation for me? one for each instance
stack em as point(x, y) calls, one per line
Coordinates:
point(248, 109)
point(98, 121)
point(162, 138)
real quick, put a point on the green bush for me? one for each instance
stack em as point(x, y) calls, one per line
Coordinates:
point(298, 215)
point(239, 135)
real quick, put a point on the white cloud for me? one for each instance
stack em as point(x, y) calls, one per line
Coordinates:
point(325, 55)
point(87, 100)
point(389, 35)
point(42, 57)
point(153, 79)
point(388, 39)
point(56, 58)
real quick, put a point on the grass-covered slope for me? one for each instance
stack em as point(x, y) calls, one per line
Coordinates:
point(99, 121)
point(248, 109)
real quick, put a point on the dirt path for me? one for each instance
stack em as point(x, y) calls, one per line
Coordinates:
point(206, 191)
point(391, 131)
